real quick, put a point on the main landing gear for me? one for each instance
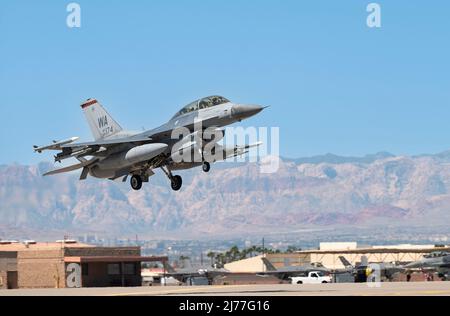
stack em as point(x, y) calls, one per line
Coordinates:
point(136, 182)
point(175, 181)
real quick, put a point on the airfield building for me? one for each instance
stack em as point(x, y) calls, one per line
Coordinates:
point(69, 264)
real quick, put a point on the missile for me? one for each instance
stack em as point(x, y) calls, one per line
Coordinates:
point(239, 150)
point(56, 145)
point(68, 153)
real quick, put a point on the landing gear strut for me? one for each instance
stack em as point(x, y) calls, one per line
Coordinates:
point(175, 181)
point(206, 166)
point(136, 182)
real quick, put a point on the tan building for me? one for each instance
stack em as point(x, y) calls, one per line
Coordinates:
point(249, 265)
point(69, 264)
point(256, 264)
point(8, 270)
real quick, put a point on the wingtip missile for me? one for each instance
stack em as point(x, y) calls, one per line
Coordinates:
point(56, 145)
point(257, 144)
point(68, 141)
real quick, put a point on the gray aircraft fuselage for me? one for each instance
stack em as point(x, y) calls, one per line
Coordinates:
point(439, 261)
point(120, 153)
point(215, 116)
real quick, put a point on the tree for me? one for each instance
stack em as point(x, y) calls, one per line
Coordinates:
point(234, 253)
point(212, 256)
point(220, 260)
point(291, 249)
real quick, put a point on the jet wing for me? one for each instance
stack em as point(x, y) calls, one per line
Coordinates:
point(182, 275)
point(109, 142)
point(295, 269)
point(285, 272)
point(91, 148)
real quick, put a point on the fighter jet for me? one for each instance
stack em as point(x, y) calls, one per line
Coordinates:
point(364, 268)
point(286, 272)
point(184, 274)
point(116, 153)
point(438, 261)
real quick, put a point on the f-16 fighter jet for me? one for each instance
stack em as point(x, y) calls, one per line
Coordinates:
point(438, 261)
point(187, 140)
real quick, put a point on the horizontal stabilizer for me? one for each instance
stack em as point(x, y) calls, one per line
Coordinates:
point(71, 168)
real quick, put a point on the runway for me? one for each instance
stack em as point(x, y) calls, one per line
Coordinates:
point(337, 289)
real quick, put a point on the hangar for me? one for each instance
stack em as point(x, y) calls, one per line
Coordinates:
point(327, 255)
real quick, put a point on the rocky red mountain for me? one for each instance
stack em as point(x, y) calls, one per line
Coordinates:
point(234, 199)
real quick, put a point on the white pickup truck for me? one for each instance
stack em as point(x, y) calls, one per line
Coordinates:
point(312, 277)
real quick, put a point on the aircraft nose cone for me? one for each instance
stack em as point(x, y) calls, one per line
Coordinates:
point(242, 111)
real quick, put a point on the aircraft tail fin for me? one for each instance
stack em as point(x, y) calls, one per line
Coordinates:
point(268, 264)
point(168, 267)
point(100, 122)
point(345, 262)
point(364, 261)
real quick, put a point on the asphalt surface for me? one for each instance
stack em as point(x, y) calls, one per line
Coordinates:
point(341, 289)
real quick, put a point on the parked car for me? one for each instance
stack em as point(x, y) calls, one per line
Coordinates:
point(312, 277)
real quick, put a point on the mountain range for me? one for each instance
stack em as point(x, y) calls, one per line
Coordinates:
point(233, 199)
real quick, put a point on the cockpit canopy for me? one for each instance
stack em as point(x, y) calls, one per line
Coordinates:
point(202, 104)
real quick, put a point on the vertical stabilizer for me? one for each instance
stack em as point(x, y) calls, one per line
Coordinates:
point(268, 264)
point(100, 122)
point(345, 262)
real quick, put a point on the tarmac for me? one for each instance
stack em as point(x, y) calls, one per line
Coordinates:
point(335, 289)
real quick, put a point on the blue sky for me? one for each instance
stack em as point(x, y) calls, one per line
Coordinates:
point(334, 85)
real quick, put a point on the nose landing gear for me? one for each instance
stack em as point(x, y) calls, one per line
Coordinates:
point(175, 181)
point(206, 166)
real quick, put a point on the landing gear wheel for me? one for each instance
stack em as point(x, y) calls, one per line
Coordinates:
point(206, 166)
point(136, 182)
point(176, 183)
